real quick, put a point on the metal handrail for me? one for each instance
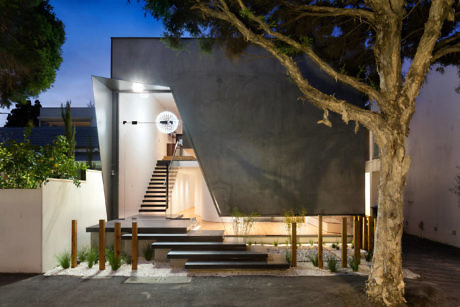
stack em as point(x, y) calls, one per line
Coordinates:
point(178, 143)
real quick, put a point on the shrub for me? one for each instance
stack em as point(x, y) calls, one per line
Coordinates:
point(275, 243)
point(332, 264)
point(126, 259)
point(249, 243)
point(83, 254)
point(64, 260)
point(369, 256)
point(28, 166)
point(354, 264)
point(313, 259)
point(148, 252)
point(311, 242)
point(115, 262)
point(92, 257)
point(288, 257)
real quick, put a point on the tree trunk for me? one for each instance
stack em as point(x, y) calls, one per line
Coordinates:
point(385, 284)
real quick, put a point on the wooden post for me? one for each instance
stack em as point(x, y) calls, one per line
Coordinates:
point(294, 245)
point(365, 234)
point(101, 245)
point(344, 242)
point(357, 239)
point(134, 247)
point(74, 244)
point(117, 240)
point(371, 234)
point(320, 241)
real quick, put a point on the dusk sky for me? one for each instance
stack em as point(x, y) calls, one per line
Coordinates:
point(89, 25)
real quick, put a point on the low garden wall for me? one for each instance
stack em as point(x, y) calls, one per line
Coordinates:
point(35, 224)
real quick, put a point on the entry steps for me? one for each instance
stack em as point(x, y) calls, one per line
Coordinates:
point(207, 250)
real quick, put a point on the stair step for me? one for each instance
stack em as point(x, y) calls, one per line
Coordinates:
point(157, 192)
point(217, 255)
point(146, 206)
point(236, 265)
point(203, 246)
point(153, 200)
point(191, 236)
point(152, 210)
point(155, 196)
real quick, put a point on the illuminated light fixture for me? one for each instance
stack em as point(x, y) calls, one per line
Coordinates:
point(138, 87)
point(167, 122)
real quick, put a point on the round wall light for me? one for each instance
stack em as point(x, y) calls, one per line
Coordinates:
point(167, 122)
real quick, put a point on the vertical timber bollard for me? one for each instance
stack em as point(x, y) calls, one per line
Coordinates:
point(344, 242)
point(117, 241)
point(365, 237)
point(320, 241)
point(356, 239)
point(371, 234)
point(134, 247)
point(101, 244)
point(74, 244)
point(294, 245)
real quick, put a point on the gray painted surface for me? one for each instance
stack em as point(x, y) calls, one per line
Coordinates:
point(259, 147)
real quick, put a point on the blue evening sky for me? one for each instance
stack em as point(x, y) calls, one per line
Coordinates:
point(89, 25)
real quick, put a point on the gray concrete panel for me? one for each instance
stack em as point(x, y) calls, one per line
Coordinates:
point(260, 148)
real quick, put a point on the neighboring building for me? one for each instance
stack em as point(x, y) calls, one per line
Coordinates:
point(258, 147)
point(81, 117)
point(431, 209)
point(51, 125)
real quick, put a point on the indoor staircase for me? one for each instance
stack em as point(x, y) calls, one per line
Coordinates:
point(156, 197)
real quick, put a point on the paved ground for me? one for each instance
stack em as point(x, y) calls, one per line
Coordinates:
point(439, 286)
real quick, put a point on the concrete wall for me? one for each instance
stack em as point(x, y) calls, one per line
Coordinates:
point(260, 149)
point(35, 225)
point(434, 146)
point(140, 146)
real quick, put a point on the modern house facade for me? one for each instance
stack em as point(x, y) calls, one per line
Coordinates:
point(257, 147)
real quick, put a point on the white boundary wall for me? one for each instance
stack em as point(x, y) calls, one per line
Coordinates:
point(434, 146)
point(35, 224)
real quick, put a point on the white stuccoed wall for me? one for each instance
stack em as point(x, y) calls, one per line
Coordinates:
point(140, 146)
point(434, 146)
point(35, 225)
point(20, 231)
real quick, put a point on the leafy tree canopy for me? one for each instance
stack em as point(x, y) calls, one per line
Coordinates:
point(30, 48)
point(344, 40)
point(24, 115)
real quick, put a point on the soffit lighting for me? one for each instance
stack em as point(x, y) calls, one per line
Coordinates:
point(138, 87)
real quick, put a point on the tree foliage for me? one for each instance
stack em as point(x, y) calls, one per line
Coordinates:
point(69, 129)
point(24, 166)
point(337, 31)
point(30, 48)
point(24, 115)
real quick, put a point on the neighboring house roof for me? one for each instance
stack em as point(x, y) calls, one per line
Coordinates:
point(77, 113)
point(41, 136)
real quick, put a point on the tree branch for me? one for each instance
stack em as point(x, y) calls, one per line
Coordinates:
point(423, 57)
point(367, 118)
point(445, 51)
point(355, 83)
point(332, 11)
